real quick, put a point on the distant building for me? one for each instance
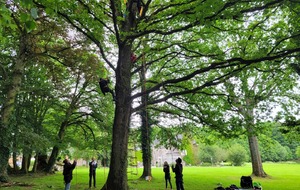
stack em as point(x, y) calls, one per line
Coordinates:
point(160, 155)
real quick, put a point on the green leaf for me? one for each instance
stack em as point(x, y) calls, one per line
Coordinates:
point(24, 17)
point(26, 3)
point(33, 12)
point(30, 25)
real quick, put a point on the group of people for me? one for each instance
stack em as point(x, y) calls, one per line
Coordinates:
point(69, 167)
point(177, 169)
point(68, 172)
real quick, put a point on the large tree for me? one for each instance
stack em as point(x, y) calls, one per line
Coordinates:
point(250, 96)
point(16, 46)
point(39, 66)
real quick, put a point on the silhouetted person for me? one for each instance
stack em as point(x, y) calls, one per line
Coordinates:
point(167, 174)
point(104, 88)
point(178, 174)
point(68, 172)
point(93, 166)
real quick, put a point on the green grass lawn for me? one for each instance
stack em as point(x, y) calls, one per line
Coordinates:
point(282, 176)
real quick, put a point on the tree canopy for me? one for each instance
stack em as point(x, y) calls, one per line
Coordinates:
point(187, 50)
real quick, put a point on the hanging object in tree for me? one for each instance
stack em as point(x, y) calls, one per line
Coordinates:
point(133, 58)
point(140, 6)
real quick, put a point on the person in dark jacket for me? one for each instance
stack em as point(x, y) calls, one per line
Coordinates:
point(93, 166)
point(68, 172)
point(167, 174)
point(103, 83)
point(178, 174)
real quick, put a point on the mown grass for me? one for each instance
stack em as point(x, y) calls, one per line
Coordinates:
point(282, 176)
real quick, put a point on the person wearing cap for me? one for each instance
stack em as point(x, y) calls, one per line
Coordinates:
point(178, 174)
point(68, 172)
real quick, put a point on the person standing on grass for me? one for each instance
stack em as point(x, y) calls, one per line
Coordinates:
point(178, 174)
point(93, 166)
point(68, 172)
point(167, 174)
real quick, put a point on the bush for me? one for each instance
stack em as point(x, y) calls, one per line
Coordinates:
point(298, 152)
point(237, 155)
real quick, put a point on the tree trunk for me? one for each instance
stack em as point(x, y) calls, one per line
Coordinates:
point(34, 167)
point(14, 157)
point(25, 160)
point(257, 167)
point(24, 163)
point(146, 145)
point(41, 163)
point(8, 106)
point(145, 130)
point(52, 159)
point(55, 150)
point(117, 176)
point(28, 161)
point(4, 151)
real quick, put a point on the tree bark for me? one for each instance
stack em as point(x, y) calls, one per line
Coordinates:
point(117, 176)
point(55, 150)
point(52, 159)
point(146, 145)
point(257, 167)
point(145, 129)
point(26, 161)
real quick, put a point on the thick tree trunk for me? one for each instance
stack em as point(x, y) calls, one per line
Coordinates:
point(41, 163)
point(55, 150)
point(52, 159)
point(257, 167)
point(8, 106)
point(117, 177)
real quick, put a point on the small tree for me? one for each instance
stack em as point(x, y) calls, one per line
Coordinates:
point(207, 154)
point(237, 155)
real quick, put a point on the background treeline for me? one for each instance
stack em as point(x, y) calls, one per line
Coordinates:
point(274, 146)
